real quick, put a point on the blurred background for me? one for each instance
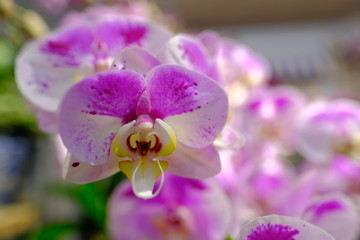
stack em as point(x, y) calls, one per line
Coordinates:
point(311, 44)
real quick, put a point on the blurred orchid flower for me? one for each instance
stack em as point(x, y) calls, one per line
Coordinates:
point(268, 116)
point(281, 228)
point(255, 186)
point(142, 125)
point(342, 174)
point(240, 69)
point(329, 128)
point(336, 214)
point(47, 68)
point(185, 209)
point(190, 52)
point(233, 65)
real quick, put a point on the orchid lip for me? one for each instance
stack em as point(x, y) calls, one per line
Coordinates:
point(147, 194)
point(141, 142)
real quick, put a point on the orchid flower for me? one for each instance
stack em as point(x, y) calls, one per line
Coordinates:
point(190, 52)
point(240, 69)
point(336, 214)
point(268, 117)
point(274, 227)
point(185, 209)
point(142, 125)
point(47, 68)
point(255, 186)
point(233, 65)
point(342, 174)
point(329, 128)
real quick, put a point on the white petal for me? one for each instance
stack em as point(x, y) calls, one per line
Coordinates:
point(81, 172)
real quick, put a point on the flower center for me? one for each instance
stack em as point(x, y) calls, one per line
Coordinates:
point(349, 147)
point(139, 144)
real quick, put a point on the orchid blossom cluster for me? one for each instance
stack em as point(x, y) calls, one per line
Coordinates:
point(168, 109)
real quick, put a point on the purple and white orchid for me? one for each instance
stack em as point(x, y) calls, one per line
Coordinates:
point(185, 209)
point(327, 129)
point(233, 65)
point(268, 116)
point(47, 68)
point(276, 227)
point(142, 125)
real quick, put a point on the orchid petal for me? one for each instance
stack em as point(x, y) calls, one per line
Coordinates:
point(80, 172)
point(336, 214)
point(194, 106)
point(57, 57)
point(167, 136)
point(281, 228)
point(119, 144)
point(135, 59)
point(194, 162)
point(211, 41)
point(190, 53)
point(93, 110)
point(143, 175)
point(119, 33)
point(47, 121)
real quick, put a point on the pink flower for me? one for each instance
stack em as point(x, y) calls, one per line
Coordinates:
point(233, 65)
point(185, 209)
point(144, 125)
point(268, 116)
point(329, 128)
point(47, 68)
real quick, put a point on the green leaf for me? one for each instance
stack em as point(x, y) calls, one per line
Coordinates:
point(53, 231)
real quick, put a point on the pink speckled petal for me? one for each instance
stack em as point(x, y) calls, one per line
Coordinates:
point(194, 162)
point(190, 53)
point(80, 172)
point(46, 69)
point(119, 33)
point(94, 109)
point(136, 59)
point(195, 106)
point(276, 227)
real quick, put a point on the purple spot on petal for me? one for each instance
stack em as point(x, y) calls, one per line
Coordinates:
point(320, 210)
point(178, 94)
point(68, 47)
point(119, 34)
point(254, 106)
point(282, 103)
point(75, 164)
point(272, 232)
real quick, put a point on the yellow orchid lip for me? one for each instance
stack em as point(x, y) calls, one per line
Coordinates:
point(139, 143)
